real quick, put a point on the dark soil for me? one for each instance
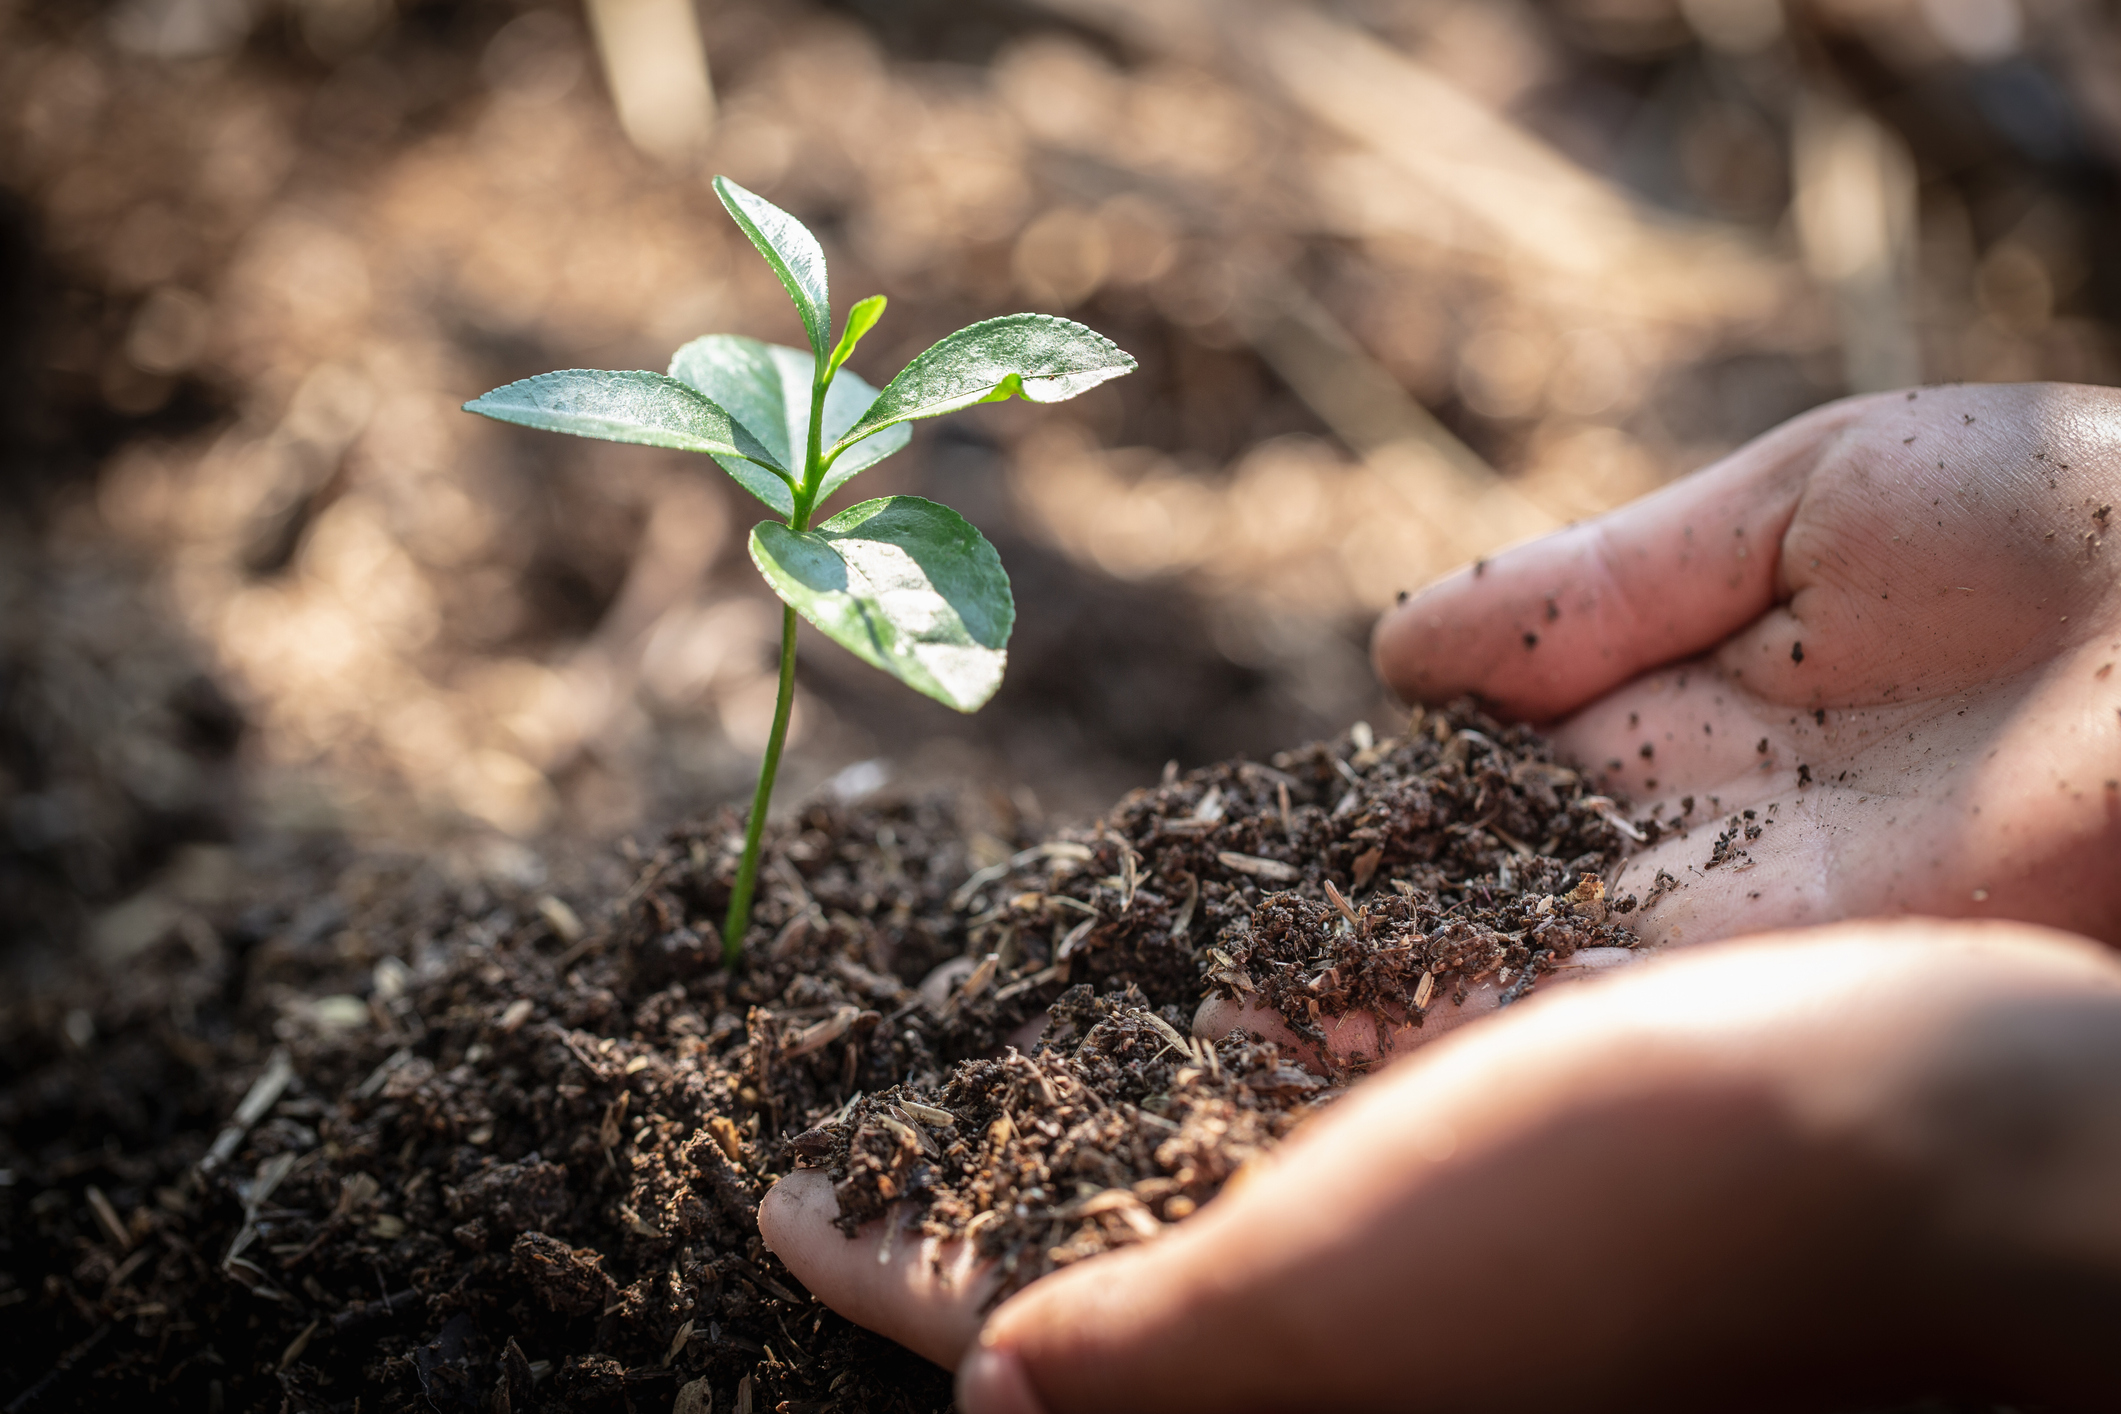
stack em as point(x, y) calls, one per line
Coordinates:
point(428, 1144)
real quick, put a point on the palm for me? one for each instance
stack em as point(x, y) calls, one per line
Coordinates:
point(1884, 630)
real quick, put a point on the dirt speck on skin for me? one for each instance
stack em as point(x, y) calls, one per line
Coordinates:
point(515, 1161)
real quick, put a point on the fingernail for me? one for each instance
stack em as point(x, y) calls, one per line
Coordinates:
point(993, 1381)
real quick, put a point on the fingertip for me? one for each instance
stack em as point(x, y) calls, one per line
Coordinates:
point(796, 1212)
point(1395, 646)
point(993, 1380)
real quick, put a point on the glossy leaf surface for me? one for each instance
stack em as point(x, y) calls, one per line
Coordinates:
point(642, 407)
point(1038, 357)
point(905, 585)
point(794, 255)
point(766, 388)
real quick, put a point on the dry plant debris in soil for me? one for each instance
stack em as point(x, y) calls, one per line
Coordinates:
point(522, 1171)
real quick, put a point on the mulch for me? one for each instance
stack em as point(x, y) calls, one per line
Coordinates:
point(408, 1140)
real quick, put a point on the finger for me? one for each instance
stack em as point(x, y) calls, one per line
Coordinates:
point(1685, 730)
point(1543, 628)
point(925, 1294)
point(1357, 1037)
point(994, 1381)
point(1747, 1110)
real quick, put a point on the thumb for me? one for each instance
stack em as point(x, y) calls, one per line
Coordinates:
point(1137, 1328)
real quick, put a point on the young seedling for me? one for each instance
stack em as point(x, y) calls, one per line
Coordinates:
point(903, 583)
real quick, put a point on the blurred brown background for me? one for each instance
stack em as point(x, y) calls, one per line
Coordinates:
point(1408, 279)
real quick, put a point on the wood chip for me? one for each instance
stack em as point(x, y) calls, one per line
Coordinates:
point(356, 1190)
point(1333, 895)
point(107, 1219)
point(791, 938)
point(263, 1094)
point(1524, 850)
point(515, 1014)
point(1056, 973)
point(1587, 899)
point(928, 1114)
point(299, 1344)
point(1366, 863)
point(1607, 811)
point(1167, 1030)
point(980, 880)
point(380, 1076)
point(876, 985)
point(1270, 869)
point(1183, 924)
point(981, 976)
point(565, 923)
point(905, 1124)
point(1074, 940)
point(821, 1034)
point(1424, 990)
point(1210, 809)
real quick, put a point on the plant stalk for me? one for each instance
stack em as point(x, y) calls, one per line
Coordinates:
point(747, 874)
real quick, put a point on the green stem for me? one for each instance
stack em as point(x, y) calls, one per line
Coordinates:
point(747, 874)
point(813, 459)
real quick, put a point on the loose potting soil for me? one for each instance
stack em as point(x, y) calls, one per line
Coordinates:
point(415, 1144)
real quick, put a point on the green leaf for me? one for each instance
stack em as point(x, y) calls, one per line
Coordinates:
point(905, 585)
point(794, 255)
point(860, 320)
point(625, 407)
point(766, 388)
point(1037, 357)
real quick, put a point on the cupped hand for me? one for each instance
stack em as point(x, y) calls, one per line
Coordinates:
point(1871, 1161)
point(1890, 630)
point(1788, 1173)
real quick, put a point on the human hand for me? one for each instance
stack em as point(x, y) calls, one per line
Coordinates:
point(1946, 742)
point(1889, 629)
point(1869, 1162)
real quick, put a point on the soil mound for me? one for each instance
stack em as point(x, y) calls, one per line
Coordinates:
point(426, 1145)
